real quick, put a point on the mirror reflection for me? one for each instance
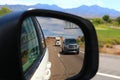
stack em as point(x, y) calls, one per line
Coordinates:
point(29, 44)
point(65, 42)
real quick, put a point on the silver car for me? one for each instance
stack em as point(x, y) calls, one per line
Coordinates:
point(70, 45)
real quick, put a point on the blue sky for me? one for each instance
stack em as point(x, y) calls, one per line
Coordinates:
point(112, 4)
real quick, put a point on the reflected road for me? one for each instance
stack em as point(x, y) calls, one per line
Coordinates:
point(63, 66)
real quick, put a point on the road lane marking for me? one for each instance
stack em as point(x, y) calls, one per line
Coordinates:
point(108, 75)
point(59, 55)
point(56, 49)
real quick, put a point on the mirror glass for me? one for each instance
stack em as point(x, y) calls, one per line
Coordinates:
point(65, 43)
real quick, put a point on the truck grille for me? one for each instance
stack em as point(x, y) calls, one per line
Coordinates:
point(73, 46)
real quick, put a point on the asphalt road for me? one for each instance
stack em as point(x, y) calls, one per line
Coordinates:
point(109, 68)
point(64, 66)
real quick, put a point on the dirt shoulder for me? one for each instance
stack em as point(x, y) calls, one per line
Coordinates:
point(115, 49)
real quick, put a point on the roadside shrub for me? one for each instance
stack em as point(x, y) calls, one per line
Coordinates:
point(4, 10)
point(106, 18)
point(115, 23)
point(116, 41)
point(109, 21)
point(118, 20)
point(108, 45)
point(101, 45)
point(98, 21)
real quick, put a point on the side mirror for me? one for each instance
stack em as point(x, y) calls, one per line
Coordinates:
point(23, 44)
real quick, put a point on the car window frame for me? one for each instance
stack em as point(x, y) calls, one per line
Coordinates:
point(29, 73)
point(30, 36)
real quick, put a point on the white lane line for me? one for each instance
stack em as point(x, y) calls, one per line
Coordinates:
point(59, 55)
point(108, 75)
point(57, 51)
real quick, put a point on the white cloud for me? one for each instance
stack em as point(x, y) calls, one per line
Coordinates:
point(92, 2)
point(118, 9)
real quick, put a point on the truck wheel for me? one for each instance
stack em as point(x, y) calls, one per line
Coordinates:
point(77, 52)
point(62, 51)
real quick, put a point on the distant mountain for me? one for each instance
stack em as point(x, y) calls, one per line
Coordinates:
point(46, 6)
point(83, 11)
point(93, 11)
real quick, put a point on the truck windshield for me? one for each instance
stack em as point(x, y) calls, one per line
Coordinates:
point(70, 41)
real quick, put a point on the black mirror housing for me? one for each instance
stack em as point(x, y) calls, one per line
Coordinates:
point(10, 57)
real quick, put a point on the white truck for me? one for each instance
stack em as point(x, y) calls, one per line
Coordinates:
point(57, 41)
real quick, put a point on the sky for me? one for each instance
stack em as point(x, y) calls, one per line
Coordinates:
point(112, 4)
point(57, 27)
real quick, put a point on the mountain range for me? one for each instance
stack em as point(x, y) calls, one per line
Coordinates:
point(93, 11)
